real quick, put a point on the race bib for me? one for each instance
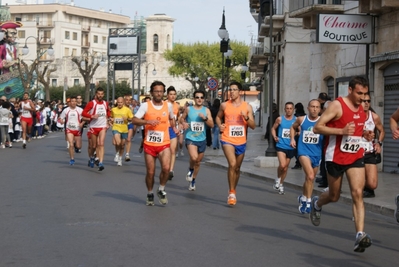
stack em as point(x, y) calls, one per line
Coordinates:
point(197, 126)
point(118, 121)
point(25, 112)
point(237, 131)
point(155, 137)
point(368, 146)
point(286, 133)
point(310, 137)
point(351, 144)
point(72, 126)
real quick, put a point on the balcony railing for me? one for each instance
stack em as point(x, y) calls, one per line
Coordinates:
point(299, 4)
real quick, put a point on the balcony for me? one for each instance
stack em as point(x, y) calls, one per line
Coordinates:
point(377, 6)
point(45, 24)
point(258, 57)
point(264, 20)
point(86, 29)
point(46, 41)
point(309, 9)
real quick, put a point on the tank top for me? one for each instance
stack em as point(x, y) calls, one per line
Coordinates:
point(309, 143)
point(370, 126)
point(72, 118)
point(101, 110)
point(196, 131)
point(26, 113)
point(284, 138)
point(345, 150)
point(236, 127)
point(157, 135)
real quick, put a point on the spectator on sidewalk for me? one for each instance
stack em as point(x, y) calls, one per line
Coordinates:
point(281, 135)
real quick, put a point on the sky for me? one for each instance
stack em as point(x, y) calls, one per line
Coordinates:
point(195, 21)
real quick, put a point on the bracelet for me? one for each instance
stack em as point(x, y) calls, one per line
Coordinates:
point(380, 143)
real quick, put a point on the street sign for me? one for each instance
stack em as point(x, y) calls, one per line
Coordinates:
point(212, 84)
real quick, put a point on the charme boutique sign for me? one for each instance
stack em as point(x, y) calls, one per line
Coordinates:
point(345, 29)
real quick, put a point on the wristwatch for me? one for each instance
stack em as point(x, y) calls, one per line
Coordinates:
point(380, 143)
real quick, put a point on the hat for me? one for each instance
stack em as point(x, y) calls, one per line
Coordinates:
point(10, 25)
point(323, 96)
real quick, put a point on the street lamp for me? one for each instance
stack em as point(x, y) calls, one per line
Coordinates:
point(154, 72)
point(25, 49)
point(224, 46)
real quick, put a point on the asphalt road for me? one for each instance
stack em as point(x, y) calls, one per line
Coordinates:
point(53, 214)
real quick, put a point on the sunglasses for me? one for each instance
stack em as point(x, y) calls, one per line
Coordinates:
point(199, 97)
point(233, 89)
point(366, 101)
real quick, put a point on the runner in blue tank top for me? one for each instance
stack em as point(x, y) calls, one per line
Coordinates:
point(310, 146)
point(281, 135)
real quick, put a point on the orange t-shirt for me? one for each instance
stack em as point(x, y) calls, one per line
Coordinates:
point(236, 127)
point(157, 135)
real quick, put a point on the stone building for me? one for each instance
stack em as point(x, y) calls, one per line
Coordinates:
point(323, 67)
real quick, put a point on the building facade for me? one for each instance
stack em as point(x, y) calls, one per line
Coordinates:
point(324, 67)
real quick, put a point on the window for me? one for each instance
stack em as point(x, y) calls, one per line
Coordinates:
point(168, 41)
point(155, 42)
point(75, 36)
point(21, 34)
point(104, 40)
point(67, 33)
point(54, 82)
point(75, 82)
point(95, 39)
point(74, 51)
point(66, 52)
point(47, 34)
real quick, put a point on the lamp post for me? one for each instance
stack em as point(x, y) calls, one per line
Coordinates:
point(87, 64)
point(224, 46)
point(244, 69)
point(154, 72)
point(27, 76)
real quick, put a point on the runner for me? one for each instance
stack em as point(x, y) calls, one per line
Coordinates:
point(284, 150)
point(171, 97)
point(72, 118)
point(393, 124)
point(98, 112)
point(342, 123)
point(120, 115)
point(309, 149)
point(145, 99)
point(28, 108)
point(237, 115)
point(194, 120)
point(130, 128)
point(156, 115)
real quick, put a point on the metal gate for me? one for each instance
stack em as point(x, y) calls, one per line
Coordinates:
point(391, 103)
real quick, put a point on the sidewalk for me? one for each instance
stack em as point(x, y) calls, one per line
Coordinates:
point(383, 203)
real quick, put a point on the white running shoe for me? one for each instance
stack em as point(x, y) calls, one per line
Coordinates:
point(116, 159)
point(119, 161)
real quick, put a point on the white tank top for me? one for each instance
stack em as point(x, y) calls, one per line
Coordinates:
point(101, 110)
point(26, 113)
point(370, 126)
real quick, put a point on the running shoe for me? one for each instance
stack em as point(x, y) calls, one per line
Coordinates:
point(119, 162)
point(24, 145)
point(302, 205)
point(91, 163)
point(362, 242)
point(141, 149)
point(181, 153)
point(307, 209)
point(127, 158)
point(191, 186)
point(150, 200)
point(171, 175)
point(162, 197)
point(314, 214)
point(397, 208)
point(189, 176)
point(116, 159)
point(72, 162)
point(276, 186)
point(100, 166)
point(231, 199)
point(177, 155)
point(281, 190)
point(96, 161)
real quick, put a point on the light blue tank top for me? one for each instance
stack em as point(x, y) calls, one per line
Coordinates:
point(309, 143)
point(284, 138)
point(196, 131)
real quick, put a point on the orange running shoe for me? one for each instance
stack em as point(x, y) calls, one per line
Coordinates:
point(231, 199)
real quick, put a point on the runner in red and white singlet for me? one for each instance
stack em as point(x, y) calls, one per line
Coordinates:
point(27, 107)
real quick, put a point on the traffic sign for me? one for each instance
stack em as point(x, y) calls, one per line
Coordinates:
point(212, 84)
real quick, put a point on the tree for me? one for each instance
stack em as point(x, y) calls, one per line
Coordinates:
point(26, 73)
point(87, 72)
point(44, 78)
point(203, 60)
